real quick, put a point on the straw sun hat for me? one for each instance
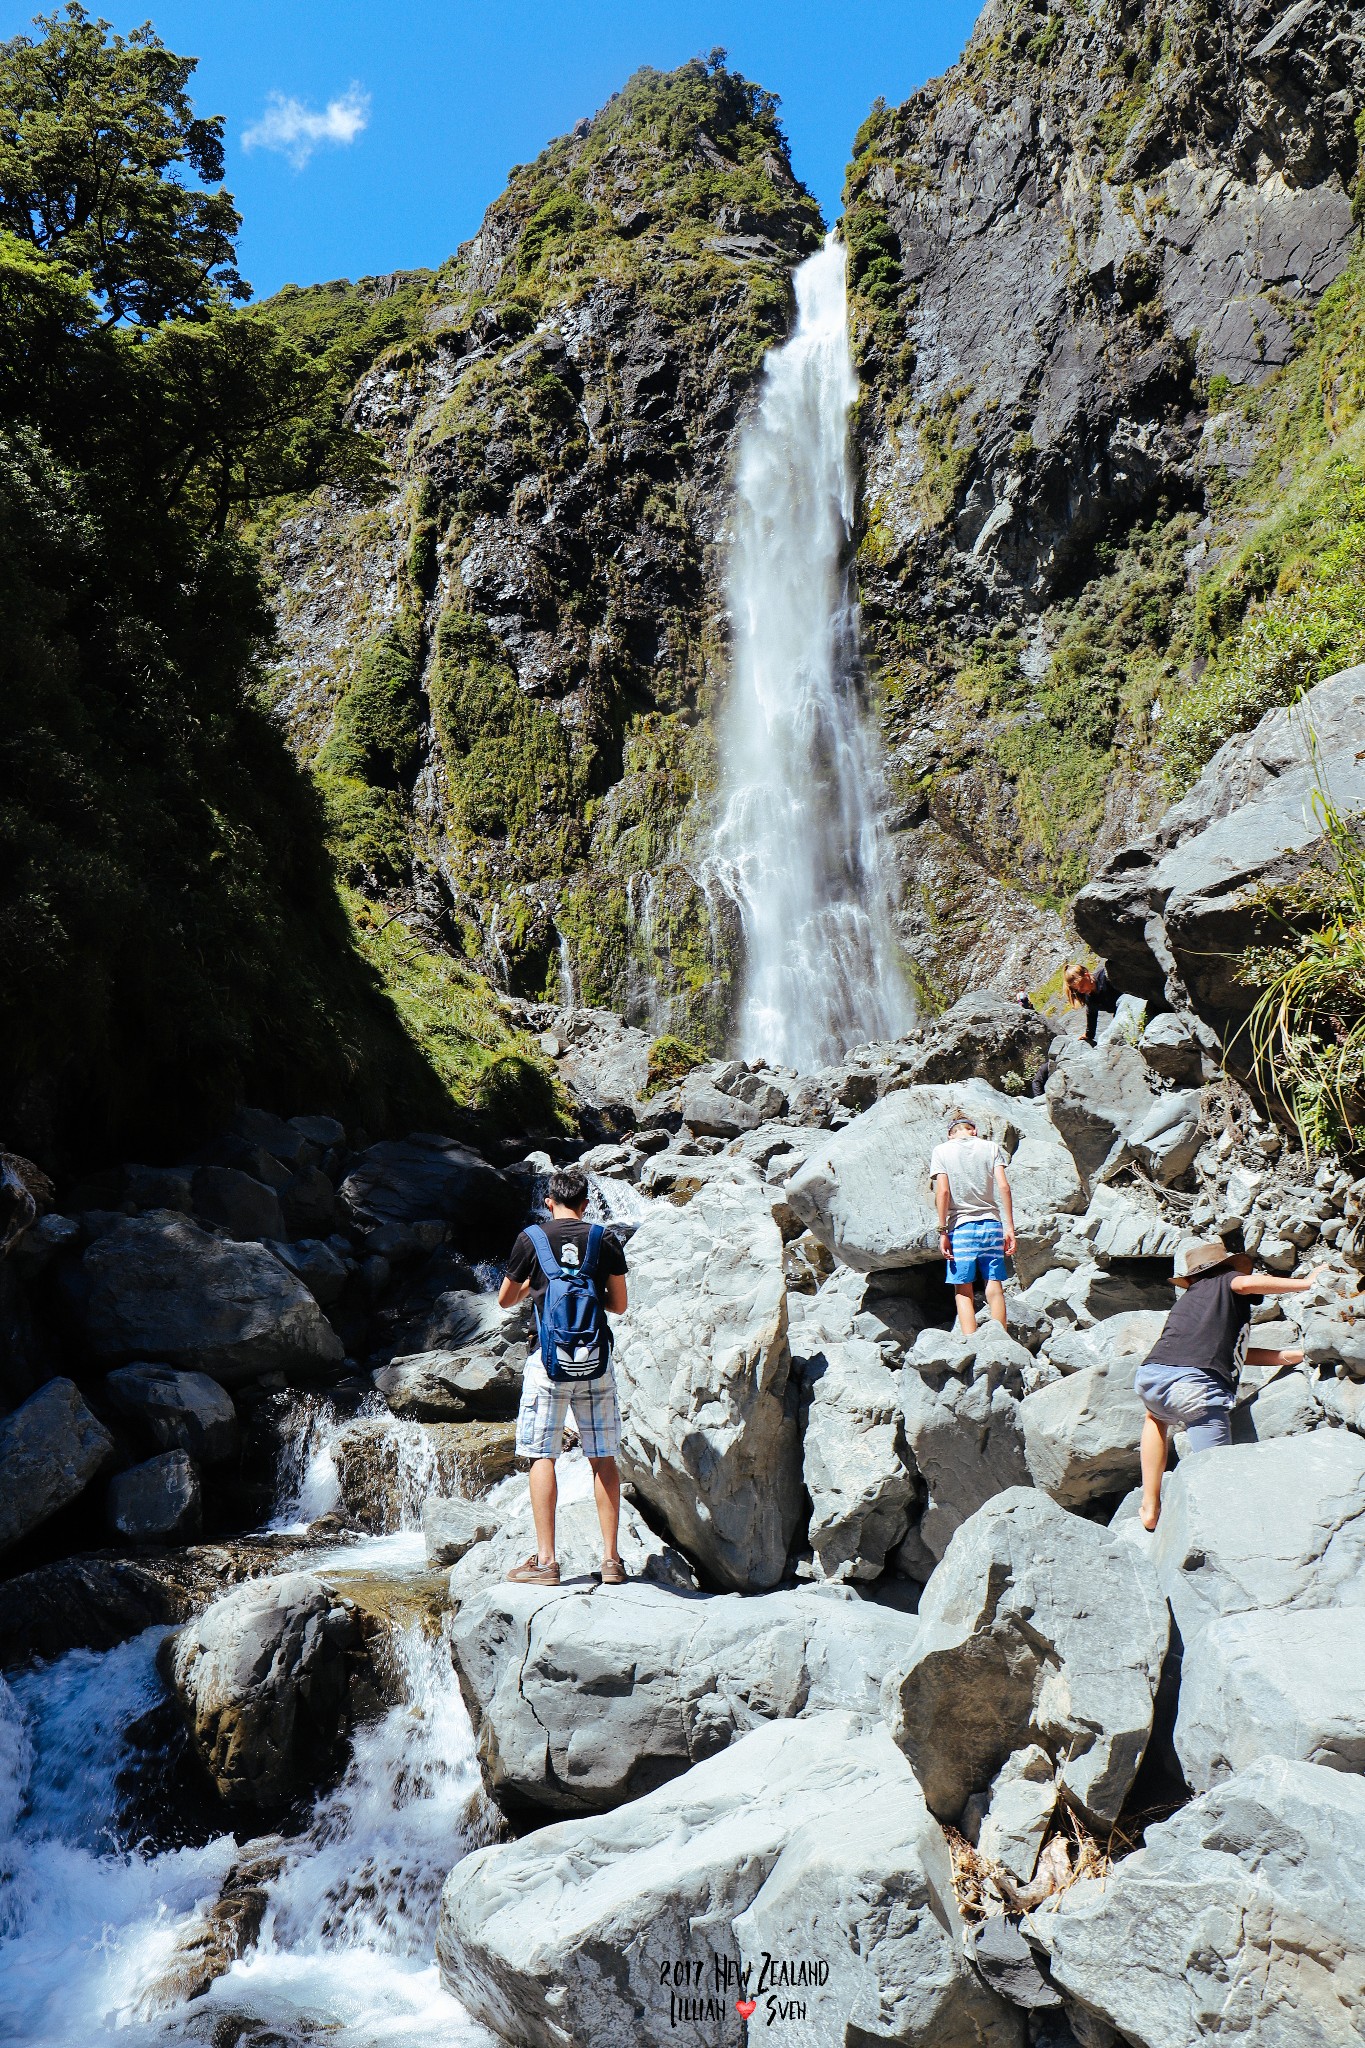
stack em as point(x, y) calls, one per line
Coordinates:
point(1204, 1258)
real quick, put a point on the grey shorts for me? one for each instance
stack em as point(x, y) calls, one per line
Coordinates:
point(1186, 1397)
point(546, 1405)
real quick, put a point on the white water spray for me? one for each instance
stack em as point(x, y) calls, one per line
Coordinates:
point(799, 846)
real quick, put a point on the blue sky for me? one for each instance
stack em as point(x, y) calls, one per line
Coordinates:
point(383, 128)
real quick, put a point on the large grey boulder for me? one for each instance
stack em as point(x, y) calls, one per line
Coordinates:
point(451, 1386)
point(578, 1536)
point(423, 1178)
point(239, 1204)
point(964, 1434)
point(50, 1449)
point(318, 1264)
point(1081, 1433)
point(1290, 1683)
point(262, 1677)
point(1184, 902)
point(1127, 1337)
point(1037, 1627)
point(156, 1502)
point(1170, 1045)
point(1096, 1094)
point(1262, 1526)
point(1119, 1227)
point(806, 1839)
point(855, 1465)
point(710, 1437)
point(451, 1527)
point(985, 1036)
point(604, 1063)
point(1335, 1339)
point(1165, 1139)
point(180, 1411)
point(866, 1192)
point(582, 1698)
point(158, 1288)
point(709, 1113)
point(1241, 1919)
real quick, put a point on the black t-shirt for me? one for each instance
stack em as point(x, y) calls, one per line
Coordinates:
point(1204, 1327)
point(568, 1240)
point(1101, 997)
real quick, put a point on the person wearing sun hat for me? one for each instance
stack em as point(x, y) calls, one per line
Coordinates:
point(1188, 1379)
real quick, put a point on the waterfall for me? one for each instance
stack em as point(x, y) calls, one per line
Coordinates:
point(89, 1919)
point(799, 845)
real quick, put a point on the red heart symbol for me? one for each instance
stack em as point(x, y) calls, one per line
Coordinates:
point(746, 2007)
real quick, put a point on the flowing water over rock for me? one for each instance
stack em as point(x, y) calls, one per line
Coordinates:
point(799, 845)
point(93, 1914)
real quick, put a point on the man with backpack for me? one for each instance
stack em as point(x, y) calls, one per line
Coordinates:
point(576, 1277)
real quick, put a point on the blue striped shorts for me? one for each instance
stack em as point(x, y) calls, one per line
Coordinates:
point(977, 1243)
point(546, 1405)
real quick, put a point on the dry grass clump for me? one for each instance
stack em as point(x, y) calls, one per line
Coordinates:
point(984, 1888)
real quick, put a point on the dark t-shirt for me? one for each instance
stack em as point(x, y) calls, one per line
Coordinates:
point(1204, 1327)
point(566, 1237)
point(1101, 997)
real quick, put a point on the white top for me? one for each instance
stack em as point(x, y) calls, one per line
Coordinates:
point(970, 1165)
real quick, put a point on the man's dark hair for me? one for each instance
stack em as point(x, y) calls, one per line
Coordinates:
point(569, 1187)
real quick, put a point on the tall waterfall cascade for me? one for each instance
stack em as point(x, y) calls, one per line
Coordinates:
point(799, 844)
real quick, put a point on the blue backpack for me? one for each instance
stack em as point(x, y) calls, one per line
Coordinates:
point(575, 1340)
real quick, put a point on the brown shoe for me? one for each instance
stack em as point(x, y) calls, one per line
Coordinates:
point(613, 1572)
point(534, 1573)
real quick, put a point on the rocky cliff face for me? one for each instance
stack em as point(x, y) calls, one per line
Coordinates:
point(1068, 253)
point(1107, 314)
point(502, 670)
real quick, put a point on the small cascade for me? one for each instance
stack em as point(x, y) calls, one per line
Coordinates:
point(89, 1921)
point(799, 845)
point(329, 1454)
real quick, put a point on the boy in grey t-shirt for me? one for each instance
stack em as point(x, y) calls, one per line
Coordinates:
point(975, 1217)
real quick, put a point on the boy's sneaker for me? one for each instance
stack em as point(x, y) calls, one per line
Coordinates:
point(613, 1572)
point(534, 1573)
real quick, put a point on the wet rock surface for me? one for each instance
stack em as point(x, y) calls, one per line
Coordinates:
point(262, 1678)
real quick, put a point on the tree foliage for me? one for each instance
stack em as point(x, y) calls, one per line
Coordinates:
point(170, 932)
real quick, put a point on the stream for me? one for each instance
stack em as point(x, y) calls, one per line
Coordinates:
point(91, 1912)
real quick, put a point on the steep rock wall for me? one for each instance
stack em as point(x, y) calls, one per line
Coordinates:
point(1065, 252)
point(502, 668)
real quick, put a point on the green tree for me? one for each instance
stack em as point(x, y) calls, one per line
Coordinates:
point(171, 938)
point(98, 144)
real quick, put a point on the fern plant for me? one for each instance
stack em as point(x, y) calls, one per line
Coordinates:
point(1307, 1029)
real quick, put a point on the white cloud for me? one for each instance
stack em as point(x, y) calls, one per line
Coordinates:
point(296, 130)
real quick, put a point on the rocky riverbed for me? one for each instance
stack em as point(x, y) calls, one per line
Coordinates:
point(903, 1729)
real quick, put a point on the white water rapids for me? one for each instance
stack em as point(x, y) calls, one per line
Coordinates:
point(799, 844)
point(89, 1918)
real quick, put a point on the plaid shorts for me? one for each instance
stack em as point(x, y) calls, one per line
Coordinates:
point(979, 1242)
point(545, 1406)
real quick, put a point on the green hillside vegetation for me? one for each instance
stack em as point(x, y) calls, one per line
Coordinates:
point(171, 937)
point(554, 804)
